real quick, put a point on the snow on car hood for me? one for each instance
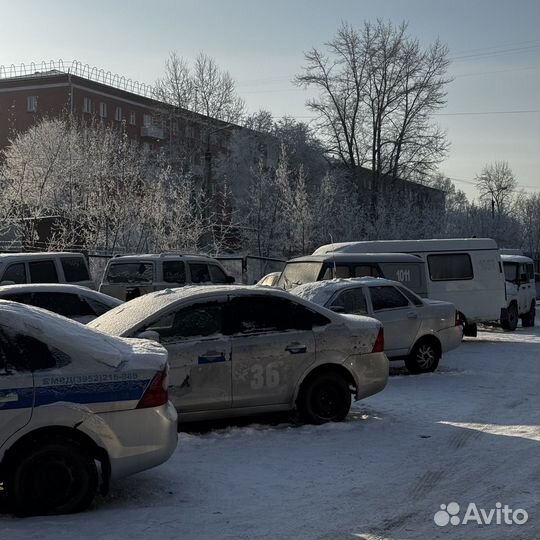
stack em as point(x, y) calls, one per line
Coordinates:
point(76, 339)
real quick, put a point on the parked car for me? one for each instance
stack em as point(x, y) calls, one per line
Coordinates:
point(45, 267)
point(240, 350)
point(270, 280)
point(537, 285)
point(417, 330)
point(520, 291)
point(405, 268)
point(72, 301)
point(464, 271)
point(70, 397)
point(131, 276)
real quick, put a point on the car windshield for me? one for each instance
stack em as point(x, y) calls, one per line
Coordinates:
point(298, 273)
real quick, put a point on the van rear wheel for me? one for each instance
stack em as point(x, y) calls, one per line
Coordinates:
point(529, 318)
point(511, 321)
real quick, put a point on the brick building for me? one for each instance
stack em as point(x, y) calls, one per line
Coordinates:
point(28, 93)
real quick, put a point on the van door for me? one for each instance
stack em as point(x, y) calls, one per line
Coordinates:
point(525, 289)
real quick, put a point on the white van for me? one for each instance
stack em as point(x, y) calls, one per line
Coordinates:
point(405, 268)
point(520, 290)
point(465, 271)
point(45, 267)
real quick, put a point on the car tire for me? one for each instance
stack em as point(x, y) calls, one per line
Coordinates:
point(52, 477)
point(511, 321)
point(324, 397)
point(528, 319)
point(424, 357)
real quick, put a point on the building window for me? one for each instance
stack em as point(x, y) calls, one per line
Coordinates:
point(132, 118)
point(103, 110)
point(147, 120)
point(87, 105)
point(118, 114)
point(31, 103)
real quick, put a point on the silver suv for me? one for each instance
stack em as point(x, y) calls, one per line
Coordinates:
point(131, 276)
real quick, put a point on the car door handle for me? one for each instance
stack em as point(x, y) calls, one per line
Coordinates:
point(8, 398)
point(296, 348)
point(412, 315)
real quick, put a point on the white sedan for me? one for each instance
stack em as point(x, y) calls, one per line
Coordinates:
point(72, 397)
point(72, 301)
point(416, 330)
point(239, 350)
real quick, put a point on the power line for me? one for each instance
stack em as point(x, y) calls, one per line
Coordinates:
point(472, 113)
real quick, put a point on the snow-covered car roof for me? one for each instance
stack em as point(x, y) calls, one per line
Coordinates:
point(122, 318)
point(73, 338)
point(58, 288)
point(319, 292)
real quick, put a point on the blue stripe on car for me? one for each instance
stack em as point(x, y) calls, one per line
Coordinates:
point(77, 393)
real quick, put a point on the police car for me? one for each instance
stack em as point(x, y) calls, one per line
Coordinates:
point(77, 409)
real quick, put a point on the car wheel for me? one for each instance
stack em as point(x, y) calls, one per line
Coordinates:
point(511, 321)
point(424, 357)
point(325, 397)
point(529, 318)
point(52, 477)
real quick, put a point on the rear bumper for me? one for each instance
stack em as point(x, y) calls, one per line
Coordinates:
point(450, 338)
point(135, 440)
point(370, 372)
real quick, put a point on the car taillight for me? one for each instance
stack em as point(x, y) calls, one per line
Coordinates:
point(156, 392)
point(379, 342)
point(458, 321)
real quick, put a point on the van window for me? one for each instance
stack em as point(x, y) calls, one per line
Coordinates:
point(15, 273)
point(174, 272)
point(75, 269)
point(130, 273)
point(338, 271)
point(450, 266)
point(43, 272)
point(530, 272)
point(510, 271)
point(363, 270)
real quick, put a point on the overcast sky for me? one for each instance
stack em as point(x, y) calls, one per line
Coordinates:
point(494, 45)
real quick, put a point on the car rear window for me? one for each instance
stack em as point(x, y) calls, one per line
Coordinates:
point(132, 272)
point(75, 269)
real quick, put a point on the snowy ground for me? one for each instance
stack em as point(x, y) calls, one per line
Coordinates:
point(467, 433)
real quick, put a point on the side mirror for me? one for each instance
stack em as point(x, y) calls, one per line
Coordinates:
point(337, 309)
point(149, 334)
point(230, 279)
